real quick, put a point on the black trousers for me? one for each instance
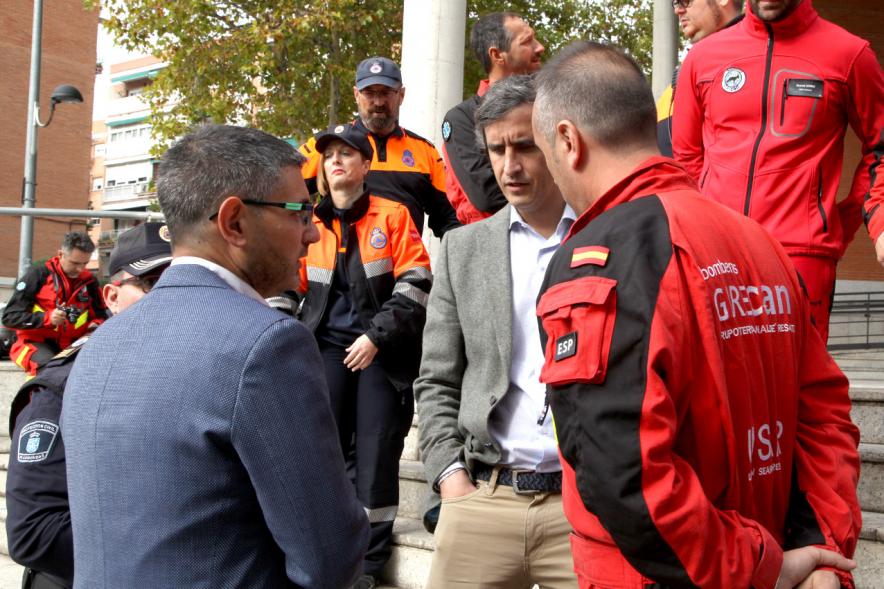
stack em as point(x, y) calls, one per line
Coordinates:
point(373, 419)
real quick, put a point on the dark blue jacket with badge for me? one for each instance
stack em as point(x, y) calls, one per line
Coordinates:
point(38, 520)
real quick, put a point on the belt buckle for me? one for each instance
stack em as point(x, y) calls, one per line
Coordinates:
point(515, 482)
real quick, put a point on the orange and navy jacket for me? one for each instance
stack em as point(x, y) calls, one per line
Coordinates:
point(470, 184)
point(390, 279)
point(702, 426)
point(39, 292)
point(405, 168)
point(759, 120)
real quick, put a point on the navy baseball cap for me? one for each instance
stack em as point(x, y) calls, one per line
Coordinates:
point(141, 249)
point(378, 70)
point(349, 134)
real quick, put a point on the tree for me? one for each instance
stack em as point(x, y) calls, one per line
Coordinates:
point(287, 66)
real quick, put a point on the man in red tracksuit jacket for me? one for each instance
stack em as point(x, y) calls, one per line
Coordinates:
point(704, 432)
point(760, 115)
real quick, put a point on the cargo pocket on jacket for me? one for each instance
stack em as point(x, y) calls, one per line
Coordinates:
point(578, 318)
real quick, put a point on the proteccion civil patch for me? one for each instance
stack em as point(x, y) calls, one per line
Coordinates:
point(35, 441)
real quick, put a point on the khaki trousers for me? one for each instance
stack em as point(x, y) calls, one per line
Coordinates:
point(495, 538)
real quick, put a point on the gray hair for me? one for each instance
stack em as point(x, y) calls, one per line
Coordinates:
point(504, 96)
point(601, 90)
point(216, 161)
point(77, 240)
point(490, 31)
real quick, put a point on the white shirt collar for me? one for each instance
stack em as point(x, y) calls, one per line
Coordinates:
point(235, 282)
point(568, 217)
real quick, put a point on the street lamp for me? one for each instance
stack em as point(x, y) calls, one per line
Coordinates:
point(64, 93)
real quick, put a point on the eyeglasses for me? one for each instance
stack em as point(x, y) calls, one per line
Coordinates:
point(305, 208)
point(145, 283)
point(684, 4)
point(385, 94)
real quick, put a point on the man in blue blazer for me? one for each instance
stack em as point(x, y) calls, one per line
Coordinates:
point(200, 443)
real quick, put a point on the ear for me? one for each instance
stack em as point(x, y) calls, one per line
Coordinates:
point(109, 293)
point(233, 221)
point(355, 93)
point(401, 94)
point(570, 145)
point(496, 56)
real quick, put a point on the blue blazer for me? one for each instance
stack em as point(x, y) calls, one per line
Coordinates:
point(202, 451)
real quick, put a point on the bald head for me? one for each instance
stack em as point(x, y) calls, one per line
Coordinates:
point(602, 91)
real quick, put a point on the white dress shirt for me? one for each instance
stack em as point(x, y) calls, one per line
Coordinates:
point(235, 282)
point(513, 424)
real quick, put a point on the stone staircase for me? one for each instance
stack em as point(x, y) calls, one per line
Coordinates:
point(413, 546)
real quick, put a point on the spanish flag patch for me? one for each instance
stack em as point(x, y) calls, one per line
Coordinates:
point(594, 254)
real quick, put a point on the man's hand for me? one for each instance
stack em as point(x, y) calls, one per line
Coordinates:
point(457, 484)
point(879, 249)
point(360, 353)
point(58, 317)
point(799, 568)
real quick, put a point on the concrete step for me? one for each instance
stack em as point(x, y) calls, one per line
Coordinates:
point(871, 478)
point(10, 572)
point(869, 555)
point(867, 410)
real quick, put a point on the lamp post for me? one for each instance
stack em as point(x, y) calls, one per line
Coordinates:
point(63, 93)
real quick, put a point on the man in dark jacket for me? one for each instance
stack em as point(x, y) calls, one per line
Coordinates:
point(505, 45)
point(38, 521)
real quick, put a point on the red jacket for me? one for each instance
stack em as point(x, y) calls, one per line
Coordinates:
point(701, 423)
point(43, 289)
point(760, 115)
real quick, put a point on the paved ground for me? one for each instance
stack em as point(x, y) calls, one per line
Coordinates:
point(10, 573)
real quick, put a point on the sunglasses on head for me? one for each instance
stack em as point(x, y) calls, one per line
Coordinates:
point(305, 208)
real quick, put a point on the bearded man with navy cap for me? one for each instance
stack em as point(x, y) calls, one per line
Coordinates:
point(406, 167)
point(38, 523)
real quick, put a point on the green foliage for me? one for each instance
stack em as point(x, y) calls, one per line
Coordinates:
point(287, 66)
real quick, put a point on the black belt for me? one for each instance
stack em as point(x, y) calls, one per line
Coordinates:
point(523, 481)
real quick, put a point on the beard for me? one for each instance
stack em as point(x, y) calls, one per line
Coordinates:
point(378, 122)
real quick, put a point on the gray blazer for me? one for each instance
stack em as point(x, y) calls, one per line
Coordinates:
point(201, 448)
point(467, 349)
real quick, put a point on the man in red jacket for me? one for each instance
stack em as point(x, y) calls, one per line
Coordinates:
point(760, 114)
point(54, 304)
point(505, 45)
point(704, 431)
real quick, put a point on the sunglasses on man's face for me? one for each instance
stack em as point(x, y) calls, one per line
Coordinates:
point(145, 283)
point(304, 208)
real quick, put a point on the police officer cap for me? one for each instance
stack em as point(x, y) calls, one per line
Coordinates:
point(378, 70)
point(141, 249)
point(349, 134)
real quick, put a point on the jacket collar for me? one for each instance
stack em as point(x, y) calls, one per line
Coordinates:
point(793, 25)
point(325, 210)
point(397, 130)
point(654, 175)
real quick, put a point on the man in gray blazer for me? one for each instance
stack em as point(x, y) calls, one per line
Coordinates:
point(486, 434)
point(200, 443)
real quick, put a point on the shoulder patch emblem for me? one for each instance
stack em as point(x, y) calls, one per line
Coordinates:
point(733, 79)
point(446, 130)
point(594, 254)
point(164, 234)
point(21, 285)
point(378, 239)
point(408, 158)
point(35, 441)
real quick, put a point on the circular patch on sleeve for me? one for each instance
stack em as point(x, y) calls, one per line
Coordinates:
point(446, 130)
point(733, 79)
point(21, 285)
point(35, 441)
point(377, 238)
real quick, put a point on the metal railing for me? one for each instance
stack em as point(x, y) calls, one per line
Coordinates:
point(857, 321)
point(124, 191)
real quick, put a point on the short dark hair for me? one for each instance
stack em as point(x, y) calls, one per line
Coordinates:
point(77, 240)
point(490, 31)
point(601, 90)
point(504, 96)
point(213, 162)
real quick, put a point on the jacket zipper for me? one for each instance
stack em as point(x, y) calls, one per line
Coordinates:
point(783, 102)
point(819, 201)
point(764, 113)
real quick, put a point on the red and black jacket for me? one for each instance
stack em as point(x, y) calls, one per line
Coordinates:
point(40, 291)
point(702, 426)
point(760, 115)
point(405, 168)
point(389, 278)
point(470, 184)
